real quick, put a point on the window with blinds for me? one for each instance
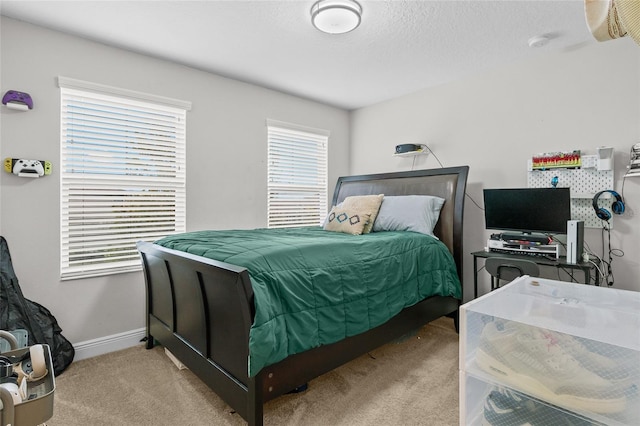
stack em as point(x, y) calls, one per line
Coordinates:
point(297, 175)
point(122, 177)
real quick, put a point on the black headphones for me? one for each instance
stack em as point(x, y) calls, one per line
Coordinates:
point(617, 206)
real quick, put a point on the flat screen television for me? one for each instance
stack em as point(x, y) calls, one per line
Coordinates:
point(528, 210)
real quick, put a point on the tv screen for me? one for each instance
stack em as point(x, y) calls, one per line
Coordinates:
point(528, 210)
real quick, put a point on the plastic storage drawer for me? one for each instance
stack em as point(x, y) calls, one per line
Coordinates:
point(486, 403)
point(572, 350)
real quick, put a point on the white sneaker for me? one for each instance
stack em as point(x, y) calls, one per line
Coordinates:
point(617, 370)
point(529, 359)
point(614, 370)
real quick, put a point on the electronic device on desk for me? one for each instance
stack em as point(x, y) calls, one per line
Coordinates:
point(528, 215)
point(575, 241)
point(528, 210)
point(524, 249)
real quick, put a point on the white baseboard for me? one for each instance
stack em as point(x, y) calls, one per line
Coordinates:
point(104, 345)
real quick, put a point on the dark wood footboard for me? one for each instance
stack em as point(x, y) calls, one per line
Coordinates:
point(201, 310)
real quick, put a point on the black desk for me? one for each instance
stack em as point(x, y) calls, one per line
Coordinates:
point(585, 267)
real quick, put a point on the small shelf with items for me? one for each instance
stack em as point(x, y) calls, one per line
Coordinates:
point(556, 160)
point(588, 175)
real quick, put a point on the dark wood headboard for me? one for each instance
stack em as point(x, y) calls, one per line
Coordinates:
point(449, 183)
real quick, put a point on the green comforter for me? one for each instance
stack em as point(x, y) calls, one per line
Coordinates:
point(313, 287)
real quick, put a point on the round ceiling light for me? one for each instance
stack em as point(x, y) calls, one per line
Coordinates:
point(336, 16)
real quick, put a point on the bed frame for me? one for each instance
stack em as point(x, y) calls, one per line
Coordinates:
point(201, 310)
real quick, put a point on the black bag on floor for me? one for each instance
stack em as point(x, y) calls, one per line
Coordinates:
point(16, 313)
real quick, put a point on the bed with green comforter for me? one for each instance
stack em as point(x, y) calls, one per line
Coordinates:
point(257, 313)
point(314, 287)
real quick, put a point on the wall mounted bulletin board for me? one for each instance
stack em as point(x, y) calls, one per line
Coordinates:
point(585, 182)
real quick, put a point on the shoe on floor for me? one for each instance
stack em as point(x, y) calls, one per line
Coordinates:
point(505, 407)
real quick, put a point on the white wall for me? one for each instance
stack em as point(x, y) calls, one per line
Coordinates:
point(226, 162)
point(494, 122)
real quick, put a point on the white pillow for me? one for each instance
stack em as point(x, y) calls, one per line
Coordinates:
point(417, 213)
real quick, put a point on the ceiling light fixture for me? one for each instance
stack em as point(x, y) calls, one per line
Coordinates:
point(538, 41)
point(336, 16)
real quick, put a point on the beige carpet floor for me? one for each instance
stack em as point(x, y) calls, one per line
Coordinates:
point(413, 381)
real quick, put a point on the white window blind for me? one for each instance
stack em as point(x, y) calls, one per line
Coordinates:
point(122, 179)
point(297, 175)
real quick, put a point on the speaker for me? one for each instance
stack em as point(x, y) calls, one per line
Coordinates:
point(407, 147)
point(617, 206)
point(575, 241)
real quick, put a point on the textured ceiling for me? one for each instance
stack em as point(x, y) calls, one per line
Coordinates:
point(400, 46)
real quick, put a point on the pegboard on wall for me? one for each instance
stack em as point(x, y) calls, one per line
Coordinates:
point(584, 183)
